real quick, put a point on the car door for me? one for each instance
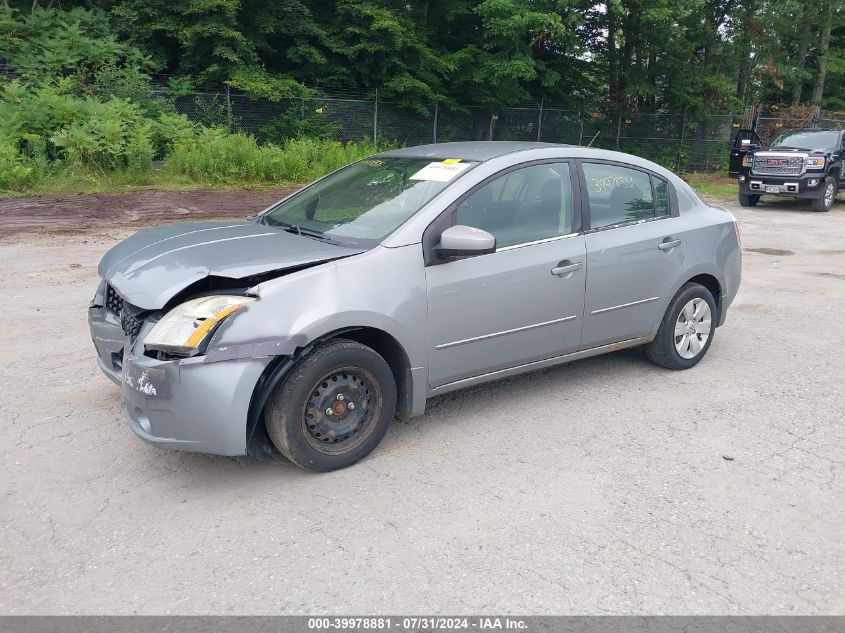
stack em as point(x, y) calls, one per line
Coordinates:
point(635, 250)
point(743, 142)
point(523, 302)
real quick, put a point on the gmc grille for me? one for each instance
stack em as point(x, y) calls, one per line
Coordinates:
point(778, 165)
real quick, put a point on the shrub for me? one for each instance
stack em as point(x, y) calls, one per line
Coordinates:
point(15, 174)
point(114, 135)
point(170, 131)
point(298, 122)
point(216, 156)
point(129, 83)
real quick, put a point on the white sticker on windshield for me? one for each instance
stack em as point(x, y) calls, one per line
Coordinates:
point(440, 171)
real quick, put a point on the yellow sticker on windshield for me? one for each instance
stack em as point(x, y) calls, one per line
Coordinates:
point(451, 161)
point(440, 172)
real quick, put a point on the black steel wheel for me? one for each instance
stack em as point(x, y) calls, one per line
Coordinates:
point(340, 410)
point(334, 406)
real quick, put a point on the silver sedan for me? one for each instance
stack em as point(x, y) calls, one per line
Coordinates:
point(409, 274)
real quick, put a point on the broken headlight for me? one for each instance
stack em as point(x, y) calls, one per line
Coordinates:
point(183, 330)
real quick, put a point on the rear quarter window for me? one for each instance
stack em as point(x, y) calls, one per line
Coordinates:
point(661, 196)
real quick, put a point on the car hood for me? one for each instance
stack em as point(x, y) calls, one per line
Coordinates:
point(150, 267)
point(788, 149)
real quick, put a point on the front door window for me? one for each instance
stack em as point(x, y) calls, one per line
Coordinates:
point(524, 205)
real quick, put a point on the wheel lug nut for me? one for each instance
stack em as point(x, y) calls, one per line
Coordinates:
point(340, 396)
point(329, 411)
point(351, 405)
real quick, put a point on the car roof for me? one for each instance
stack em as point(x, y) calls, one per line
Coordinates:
point(479, 151)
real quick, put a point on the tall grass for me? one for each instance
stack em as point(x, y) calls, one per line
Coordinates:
point(215, 157)
point(211, 159)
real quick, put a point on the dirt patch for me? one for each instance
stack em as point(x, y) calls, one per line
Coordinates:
point(74, 212)
point(769, 251)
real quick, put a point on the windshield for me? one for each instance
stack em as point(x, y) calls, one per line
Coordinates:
point(807, 140)
point(363, 203)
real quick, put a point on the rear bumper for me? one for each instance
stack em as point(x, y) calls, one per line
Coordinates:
point(187, 404)
point(808, 185)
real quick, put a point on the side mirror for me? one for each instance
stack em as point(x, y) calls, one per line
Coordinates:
point(465, 241)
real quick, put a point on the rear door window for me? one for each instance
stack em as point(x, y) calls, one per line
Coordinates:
point(617, 195)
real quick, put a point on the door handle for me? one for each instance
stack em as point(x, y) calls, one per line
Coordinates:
point(668, 245)
point(565, 269)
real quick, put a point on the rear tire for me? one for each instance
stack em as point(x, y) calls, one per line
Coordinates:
point(826, 196)
point(686, 331)
point(748, 201)
point(334, 406)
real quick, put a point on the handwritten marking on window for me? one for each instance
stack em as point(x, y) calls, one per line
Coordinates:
point(608, 183)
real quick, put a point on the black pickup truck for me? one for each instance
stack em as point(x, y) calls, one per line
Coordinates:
point(799, 163)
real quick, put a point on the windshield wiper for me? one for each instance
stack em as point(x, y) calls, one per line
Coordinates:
point(298, 230)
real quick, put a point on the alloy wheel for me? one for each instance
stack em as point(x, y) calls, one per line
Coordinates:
point(829, 194)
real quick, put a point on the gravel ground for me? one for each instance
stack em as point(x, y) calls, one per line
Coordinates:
point(604, 486)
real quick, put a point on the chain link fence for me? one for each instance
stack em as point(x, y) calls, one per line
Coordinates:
point(770, 121)
point(678, 141)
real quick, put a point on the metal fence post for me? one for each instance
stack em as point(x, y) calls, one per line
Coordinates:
point(229, 108)
point(435, 123)
point(581, 129)
point(375, 119)
point(618, 127)
point(540, 120)
point(681, 142)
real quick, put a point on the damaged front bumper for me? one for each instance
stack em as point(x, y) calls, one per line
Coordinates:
point(189, 404)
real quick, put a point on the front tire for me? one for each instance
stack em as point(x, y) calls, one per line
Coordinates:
point(826, 196)
point(748, 201)
point(334, 406)
point(686, 331)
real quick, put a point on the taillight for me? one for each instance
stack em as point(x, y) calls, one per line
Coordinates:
point(738, 236)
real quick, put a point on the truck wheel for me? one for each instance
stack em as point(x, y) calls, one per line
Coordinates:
point(825, 200)
point(748, 201)
point(334, 406)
